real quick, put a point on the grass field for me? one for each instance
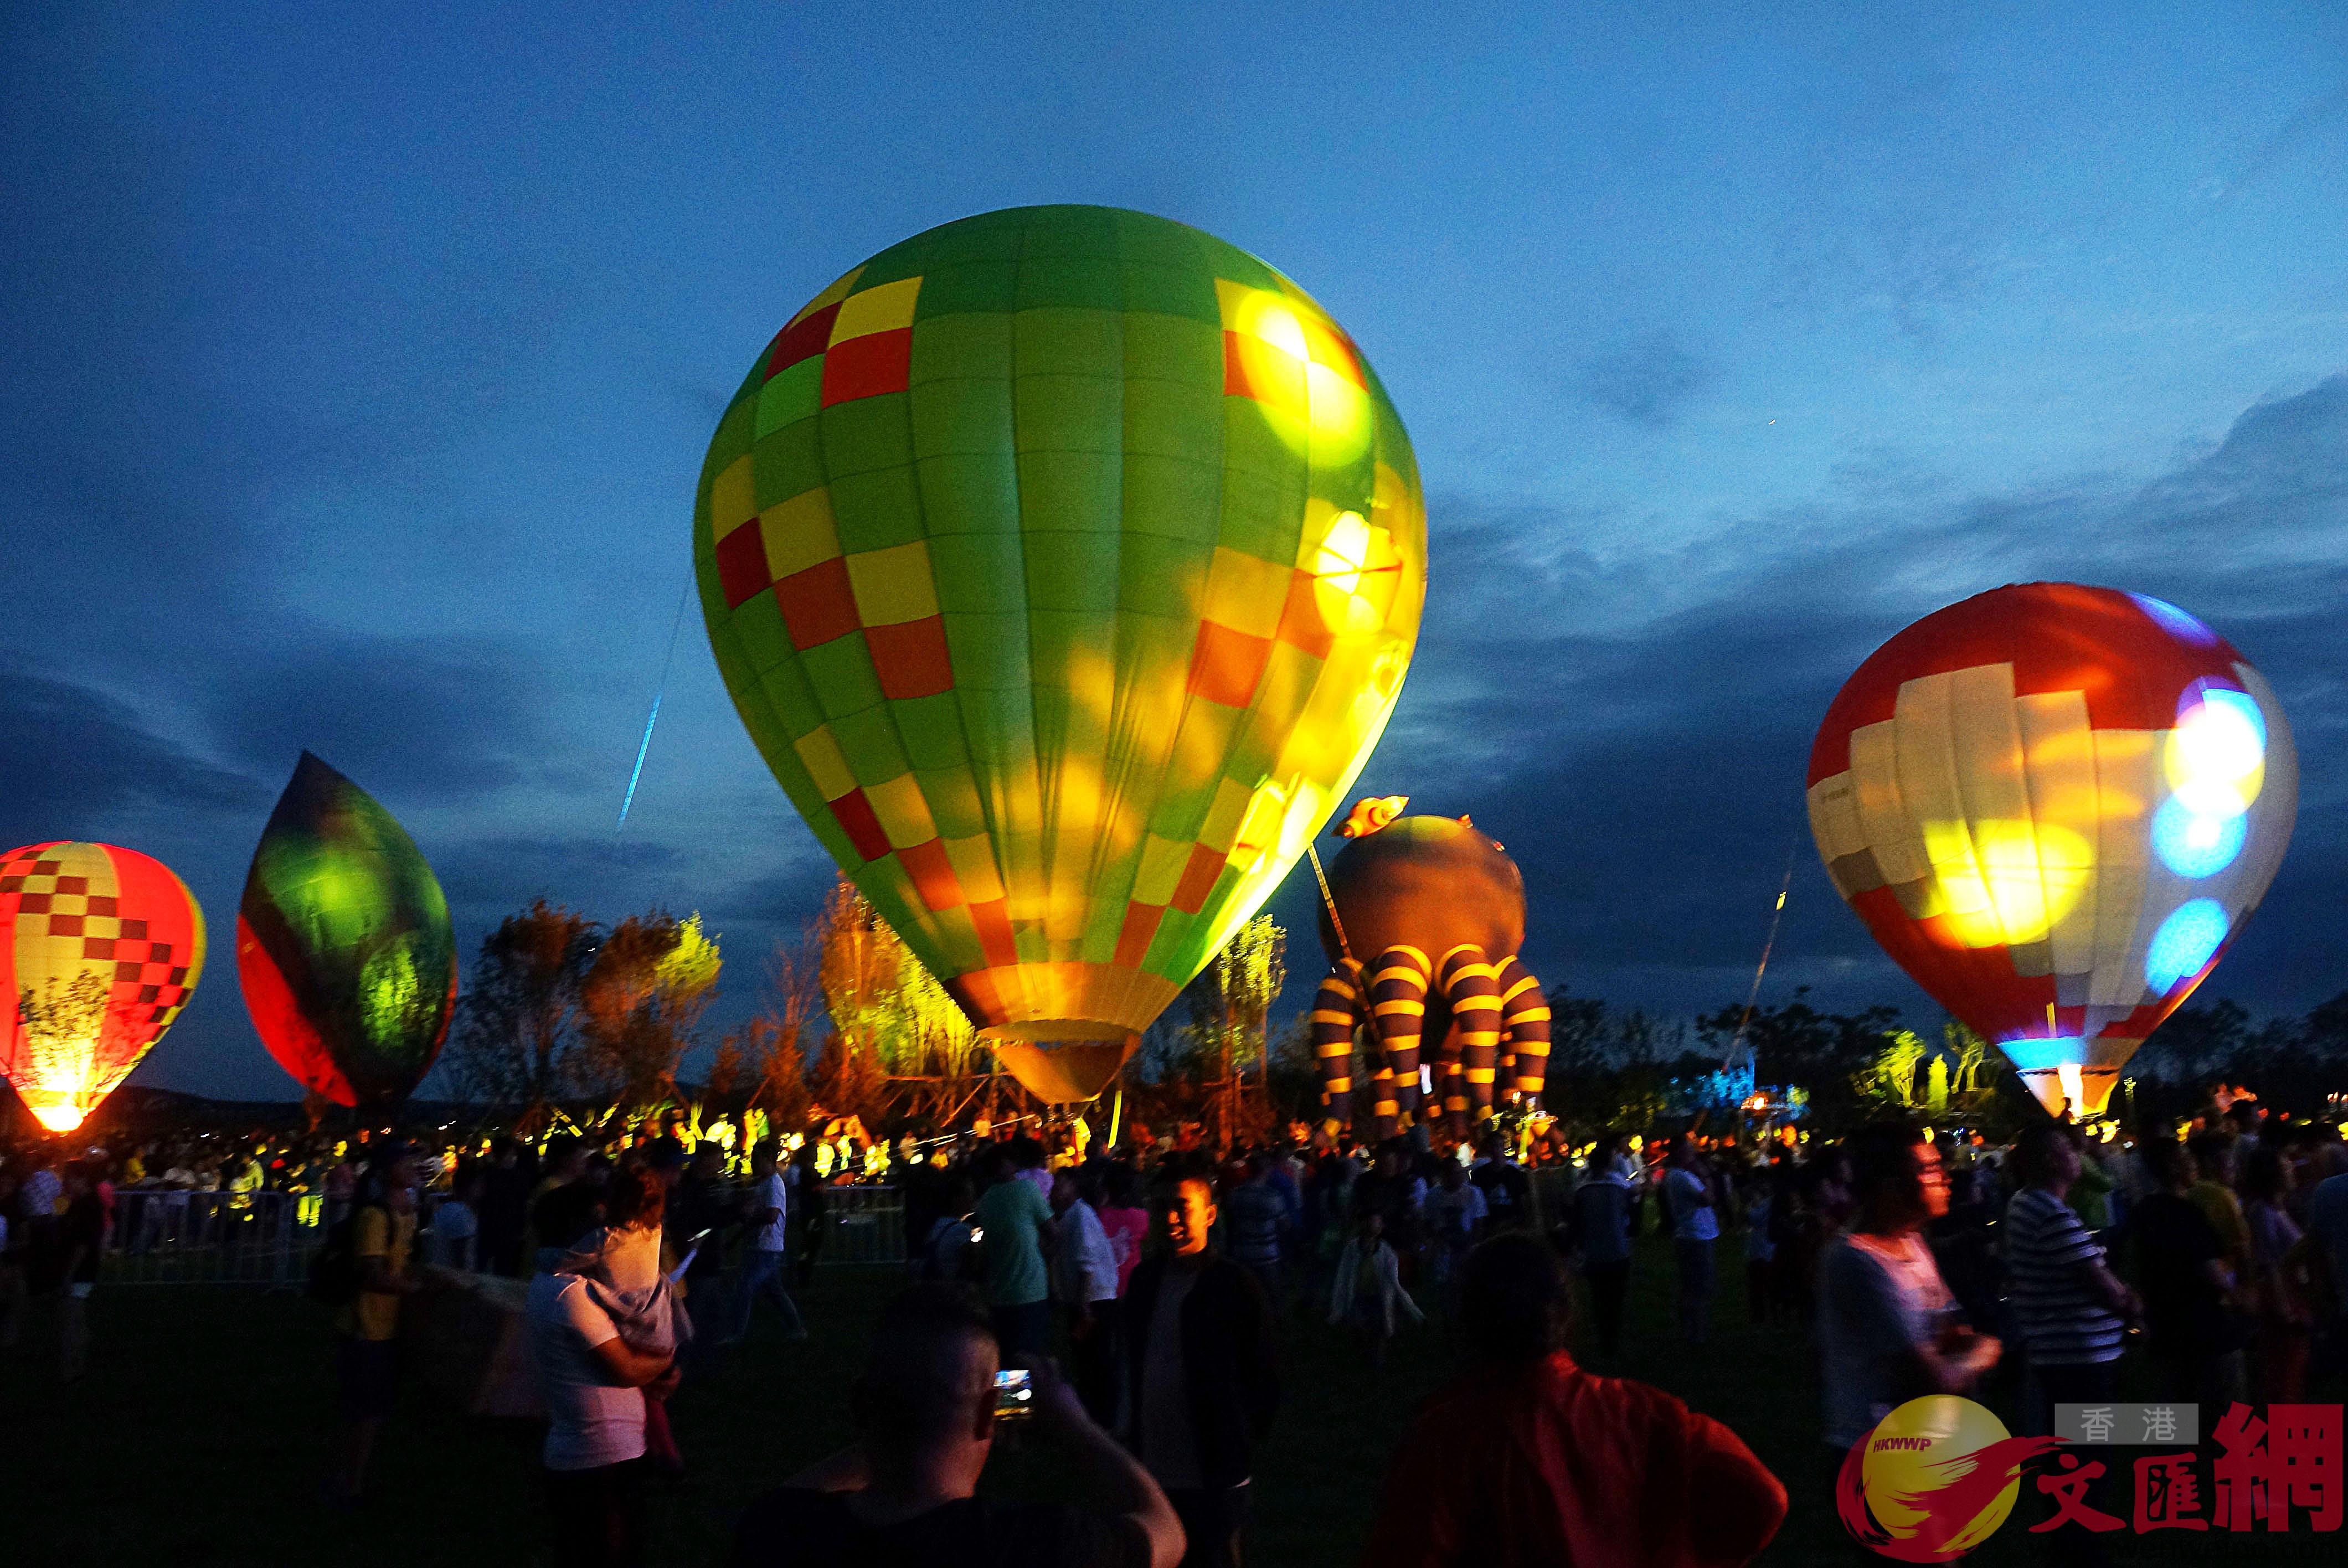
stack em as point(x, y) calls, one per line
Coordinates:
point(199, 1439)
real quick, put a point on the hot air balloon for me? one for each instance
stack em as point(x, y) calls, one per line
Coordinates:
point(100, 949)
point(1064, 563)
point(2055, 805)
point(343, 943)
point(1429, 913)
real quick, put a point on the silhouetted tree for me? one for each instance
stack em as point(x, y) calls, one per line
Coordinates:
point(516, 1027)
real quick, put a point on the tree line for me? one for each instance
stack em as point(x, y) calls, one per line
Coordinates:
point(563, 1011)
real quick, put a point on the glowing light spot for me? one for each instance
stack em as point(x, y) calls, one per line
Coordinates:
point(390, 993)
point(2194, 843)
point(2034, 1055)
point(2185, 943)
point(1341, 414)
point(2177, 622)
point(1278, 325)
point(2003, 882)
point(1343, 549)
point(1355, 575)
point(1335, 421)
point(2216, 757)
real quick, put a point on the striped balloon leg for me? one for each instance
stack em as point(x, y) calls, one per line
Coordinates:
point(1524, 1013)
point(1399, 1004)
point(1382, 1102)
point(1336, 1010)
point(1452, 1083)
point(1471, 984)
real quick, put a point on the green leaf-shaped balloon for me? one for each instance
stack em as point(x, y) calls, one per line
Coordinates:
point(343, 943)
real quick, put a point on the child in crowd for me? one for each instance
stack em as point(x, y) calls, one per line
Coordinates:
point(1369, 1290)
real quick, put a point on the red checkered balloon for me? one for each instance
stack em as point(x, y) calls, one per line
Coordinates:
point(2055, 805)
point(100, 949)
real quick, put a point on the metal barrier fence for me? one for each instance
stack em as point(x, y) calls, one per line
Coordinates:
point(169, 1237)
point(163, 1237)
point(1552, 1194)
point(863, 1226)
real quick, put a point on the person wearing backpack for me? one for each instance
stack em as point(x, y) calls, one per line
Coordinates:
point(382, 1232)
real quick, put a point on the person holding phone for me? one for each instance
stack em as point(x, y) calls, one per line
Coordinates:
point(603, 1335)
point(925, 1413)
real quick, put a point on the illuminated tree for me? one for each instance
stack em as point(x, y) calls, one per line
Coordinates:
point(641, 1002)
point(881, 999)
point(1248, 973)
point(1890, 1077)
point(1970, 1051)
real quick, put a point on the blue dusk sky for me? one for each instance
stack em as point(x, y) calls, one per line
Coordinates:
point(358, 363)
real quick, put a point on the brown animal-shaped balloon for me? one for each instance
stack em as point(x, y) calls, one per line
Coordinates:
point(1430, 914)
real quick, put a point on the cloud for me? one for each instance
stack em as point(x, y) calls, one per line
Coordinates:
point(506, 872)
point(81, 762)
point(780, 899)
point(1635, 728)
point(2273, 490)
point(1644, 381)
point(431, 719)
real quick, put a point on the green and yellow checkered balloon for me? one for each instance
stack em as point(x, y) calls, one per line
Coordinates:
point(1064, 563)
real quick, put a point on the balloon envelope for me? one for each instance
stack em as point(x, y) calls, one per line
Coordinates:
point(1430, 882)
point(1064, 563)
point(343, 943)
point(100, 949)
point(2055, 806)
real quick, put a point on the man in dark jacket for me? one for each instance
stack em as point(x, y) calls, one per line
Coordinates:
point(1204, 1378)
point(697, 1207)
point(505, 1209)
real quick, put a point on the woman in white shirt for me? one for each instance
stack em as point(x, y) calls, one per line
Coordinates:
point(605, 1332)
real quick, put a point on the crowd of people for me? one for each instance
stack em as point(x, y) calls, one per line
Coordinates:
point(1147, 1292)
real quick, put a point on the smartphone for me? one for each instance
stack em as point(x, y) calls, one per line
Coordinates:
point(1015, 1393)
point(693, 1246)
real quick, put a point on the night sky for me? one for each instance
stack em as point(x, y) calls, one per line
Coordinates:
point(356, 372)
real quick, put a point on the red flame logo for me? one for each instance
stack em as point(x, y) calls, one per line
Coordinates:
point(1963, 1487)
